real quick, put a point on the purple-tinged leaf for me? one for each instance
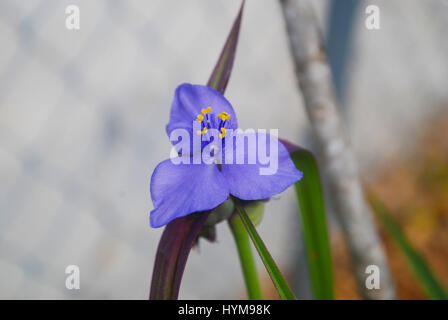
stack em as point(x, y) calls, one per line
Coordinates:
point(172, 254)
point(180, 234)
point(221, 73)
point(291, 147)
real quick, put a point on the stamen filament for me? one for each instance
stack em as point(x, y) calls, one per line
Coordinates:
point(202, 132)
point(223, 133)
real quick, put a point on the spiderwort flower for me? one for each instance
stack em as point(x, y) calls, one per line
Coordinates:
point(180, 187)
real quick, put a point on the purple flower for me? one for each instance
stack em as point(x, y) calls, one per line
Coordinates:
point(184, 185)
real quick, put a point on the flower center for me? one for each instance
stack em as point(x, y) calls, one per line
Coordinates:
point(210, 120)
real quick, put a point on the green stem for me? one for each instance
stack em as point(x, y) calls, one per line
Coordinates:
point(277, 278)
point(246, 258)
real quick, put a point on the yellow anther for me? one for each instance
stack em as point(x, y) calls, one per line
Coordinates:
point(202, 132)
point(223, 116)
point(200, 117)
point(223, 133)
point(206, 110)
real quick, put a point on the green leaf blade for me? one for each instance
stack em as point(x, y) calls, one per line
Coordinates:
point(312, 211)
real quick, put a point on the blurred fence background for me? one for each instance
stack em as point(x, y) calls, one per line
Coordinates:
point(82, 117)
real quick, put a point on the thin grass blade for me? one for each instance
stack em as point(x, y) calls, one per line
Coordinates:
point(428, 281)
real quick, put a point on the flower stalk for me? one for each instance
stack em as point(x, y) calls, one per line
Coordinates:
point(277, 278)
point(246, 258)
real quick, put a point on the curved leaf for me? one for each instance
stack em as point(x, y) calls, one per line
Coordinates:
point(172, 254)
point(314, 225)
